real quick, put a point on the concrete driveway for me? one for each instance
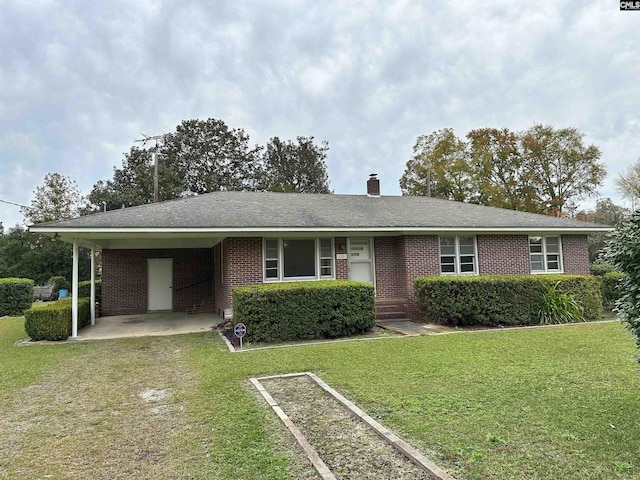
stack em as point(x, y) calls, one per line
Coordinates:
point(148, 325)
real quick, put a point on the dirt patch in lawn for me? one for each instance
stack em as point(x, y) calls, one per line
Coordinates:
point(350, 448)
point(115, 410)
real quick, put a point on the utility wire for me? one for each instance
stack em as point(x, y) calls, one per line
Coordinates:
point(12, 203)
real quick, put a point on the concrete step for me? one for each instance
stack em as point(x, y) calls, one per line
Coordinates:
point(407, 327)
point(390, 301)
point(391, 308)
point(391, 315)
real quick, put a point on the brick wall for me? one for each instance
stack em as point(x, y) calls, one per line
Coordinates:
point(342, 266)
point(241, 264)
point(420, 258)
point(575, 254)
point(509, 254)
point(402, 277)
point(124, 282)
point(503, 254)
point(217, 276)
point(124, 279)
point(192, 277)
point(389, 279)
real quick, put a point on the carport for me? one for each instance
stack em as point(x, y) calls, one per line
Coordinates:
point(132, 239)
point(149, 325)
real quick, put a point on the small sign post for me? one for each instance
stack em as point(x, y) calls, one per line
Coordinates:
point(239, 331)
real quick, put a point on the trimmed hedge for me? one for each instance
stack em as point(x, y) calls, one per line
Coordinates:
point(60, 283)
point(304, 310)
point(53, 321)
point(609, 286)
point(500, 300)
point(16, 295)
point(84, 290)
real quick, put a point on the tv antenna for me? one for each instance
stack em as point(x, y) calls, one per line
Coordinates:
point(154, 157)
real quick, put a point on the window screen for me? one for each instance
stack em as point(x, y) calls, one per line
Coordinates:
point(299, 259)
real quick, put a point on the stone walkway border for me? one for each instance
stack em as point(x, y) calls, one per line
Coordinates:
point(387, 435)
point(232, 349)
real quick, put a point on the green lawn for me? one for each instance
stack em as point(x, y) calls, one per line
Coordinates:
point(20, 365)
point(561, 403)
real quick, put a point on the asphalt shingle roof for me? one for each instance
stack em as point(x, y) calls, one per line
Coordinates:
point(257, 210)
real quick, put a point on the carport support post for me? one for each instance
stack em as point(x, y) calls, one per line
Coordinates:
point(74, 291)
point(93, 285)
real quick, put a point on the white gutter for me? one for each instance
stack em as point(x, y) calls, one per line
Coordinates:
point(227, 230)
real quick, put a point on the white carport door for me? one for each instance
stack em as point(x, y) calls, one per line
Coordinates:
point(160, 282)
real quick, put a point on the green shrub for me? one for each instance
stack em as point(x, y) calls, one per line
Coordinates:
point(59, 282)
point(611, 288)
point(623, 252)
point(304, 310)
point(500, 300)
point(560, 307)
point(53, 321)
point(84, 289)
point(600, 268)
point(16, 295)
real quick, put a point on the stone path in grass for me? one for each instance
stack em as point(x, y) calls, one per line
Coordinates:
point(348, 447)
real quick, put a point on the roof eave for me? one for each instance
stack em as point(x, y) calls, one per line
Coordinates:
point(52, 230)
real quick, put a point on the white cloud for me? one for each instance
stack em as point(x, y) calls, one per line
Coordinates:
point(81, 80)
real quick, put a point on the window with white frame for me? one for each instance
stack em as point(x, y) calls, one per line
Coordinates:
point(545, 254)
point(458, 255)
point(298, 259)
point(326, 258)
point(271, 259)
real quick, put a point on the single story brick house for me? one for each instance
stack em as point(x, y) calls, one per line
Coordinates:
point(188, 254)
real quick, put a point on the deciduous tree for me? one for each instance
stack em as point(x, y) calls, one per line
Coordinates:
point(133, 183)
point(606, 213)
point(628, 183)
point(542, 170)
point(500, 176)
point(439, 168)
point(29, 255)
point(209, 156)
point(295, 167)
point(204, 156)
point(562, 168)
point(57, 198)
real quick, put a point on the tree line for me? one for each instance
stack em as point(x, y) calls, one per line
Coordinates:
point(201, 156)
point(543, 170)
point(204, 156)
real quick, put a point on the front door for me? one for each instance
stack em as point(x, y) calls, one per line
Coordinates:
point(361, 259)
point(160, 282)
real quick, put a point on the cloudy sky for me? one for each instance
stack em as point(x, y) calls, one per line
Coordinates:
point(79, 81)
